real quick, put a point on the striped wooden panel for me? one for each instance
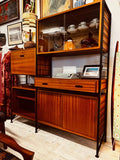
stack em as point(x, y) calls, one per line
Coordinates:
point(80, 115)
point(44, 66)
point(102, 115)
point(49, 107)
point(106, 29)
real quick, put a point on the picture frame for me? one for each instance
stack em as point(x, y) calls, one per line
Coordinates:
point(77, 3)
point(14, 34)
point(91, 71)
point(9, 11)
point(49, 7)
point(31, 6)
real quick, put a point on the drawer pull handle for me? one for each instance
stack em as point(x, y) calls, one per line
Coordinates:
point(78, 86)
point(44, 84)
point(21, 55)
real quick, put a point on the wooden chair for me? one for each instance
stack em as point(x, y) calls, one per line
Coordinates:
point(2, 122)
point(8, 141)
point(27, 154)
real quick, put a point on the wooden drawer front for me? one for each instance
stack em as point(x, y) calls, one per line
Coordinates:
point(83, 85)
point(23, 62)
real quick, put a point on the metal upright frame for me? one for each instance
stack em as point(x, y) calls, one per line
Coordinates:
point(103, 136)
point(36, 123)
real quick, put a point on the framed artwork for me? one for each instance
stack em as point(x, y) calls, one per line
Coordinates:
point(9, 11)
point(91, 71)
point(49, 7)
point(15, 34)
point(30, 6)
point(77, 3)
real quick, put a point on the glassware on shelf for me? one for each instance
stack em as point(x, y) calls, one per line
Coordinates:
point(83, 26)
point(62, 30)
point(94, 23)
point(71, 28)
point(89, 42)
point(69, 45)
point(58, 40)
point(43, 43)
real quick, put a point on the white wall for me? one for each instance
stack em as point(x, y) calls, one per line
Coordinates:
point(3, 29)
point(114, 7)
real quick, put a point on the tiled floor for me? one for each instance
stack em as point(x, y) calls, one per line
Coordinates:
point(52, 144)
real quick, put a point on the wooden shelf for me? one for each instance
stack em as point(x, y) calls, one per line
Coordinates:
point(26, 98)
point(81, 51)
point(23, 88)
point(28, 115)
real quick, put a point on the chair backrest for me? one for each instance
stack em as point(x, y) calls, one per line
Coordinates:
point(9, 141)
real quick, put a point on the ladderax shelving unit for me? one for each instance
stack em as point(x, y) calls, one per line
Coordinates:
point(78, 106)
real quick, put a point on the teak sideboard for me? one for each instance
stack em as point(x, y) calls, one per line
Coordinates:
point(78, 106)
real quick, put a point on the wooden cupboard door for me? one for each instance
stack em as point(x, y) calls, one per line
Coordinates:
point(23, 62)
point(80, 115)
point(49, 108)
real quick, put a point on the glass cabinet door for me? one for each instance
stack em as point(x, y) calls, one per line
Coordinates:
point(70, 30)
point(82, 28)
point(51, 34)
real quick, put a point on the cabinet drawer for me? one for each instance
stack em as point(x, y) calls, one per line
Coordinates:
point(83, 85)
point(23, 62)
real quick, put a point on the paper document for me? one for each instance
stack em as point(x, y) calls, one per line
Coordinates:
point(69, 69)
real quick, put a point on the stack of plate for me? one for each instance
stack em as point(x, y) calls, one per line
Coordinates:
point(29, 23)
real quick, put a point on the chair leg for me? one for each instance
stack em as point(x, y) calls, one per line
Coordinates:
point(3, 131)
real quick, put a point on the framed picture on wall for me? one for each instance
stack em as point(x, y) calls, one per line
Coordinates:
point(29, 6)
point(15, 34)
point(9, 11)
point(91, 71)
point(49, 7)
